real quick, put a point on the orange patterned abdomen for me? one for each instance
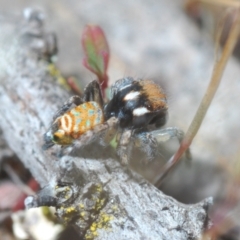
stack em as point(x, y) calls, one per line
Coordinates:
point(81, 119)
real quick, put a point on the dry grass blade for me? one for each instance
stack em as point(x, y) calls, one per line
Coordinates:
point(207, 99)
point(227, 3)
point(220, 27)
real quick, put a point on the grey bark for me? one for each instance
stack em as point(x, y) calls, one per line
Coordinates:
point(108, 204)
point(5, 151)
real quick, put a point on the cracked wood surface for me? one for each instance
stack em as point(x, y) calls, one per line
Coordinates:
point(29, 97)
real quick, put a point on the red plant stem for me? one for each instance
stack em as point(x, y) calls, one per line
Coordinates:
point(207, 99)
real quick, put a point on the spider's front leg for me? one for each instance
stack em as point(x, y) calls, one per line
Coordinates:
point(148, 141)
point(92, 92)
point(124, 150)
point(74, 100)
point(125, 146)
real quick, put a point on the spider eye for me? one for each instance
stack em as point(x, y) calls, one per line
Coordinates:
point(112, 114)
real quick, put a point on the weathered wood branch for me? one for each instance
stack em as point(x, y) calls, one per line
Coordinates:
point(107, 203)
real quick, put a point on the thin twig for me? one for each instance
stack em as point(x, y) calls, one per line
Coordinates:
point(227, 3)
point(220, 27)
point(207, 99)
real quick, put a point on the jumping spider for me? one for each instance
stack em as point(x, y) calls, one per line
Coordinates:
point(135, 108)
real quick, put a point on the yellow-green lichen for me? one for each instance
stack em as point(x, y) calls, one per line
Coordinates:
point(49, 214)
point(68, 213)
point(98, 188)
point(70, 210)
point(82, 214)
point(55, 72)
point(87, 212)
point(115, 208)
point(102, 222)
point(81, 205)
point(99, 204)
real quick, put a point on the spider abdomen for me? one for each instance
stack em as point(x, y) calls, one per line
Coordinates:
point(73, 123)
point(81, 119)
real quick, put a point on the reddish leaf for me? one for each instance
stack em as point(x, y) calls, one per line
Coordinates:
point(96, 52)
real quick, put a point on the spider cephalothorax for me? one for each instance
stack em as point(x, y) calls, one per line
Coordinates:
point(134, 106)
point(137, 103)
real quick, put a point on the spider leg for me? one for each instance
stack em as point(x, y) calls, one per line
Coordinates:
point(74, 100)
point(124, 150)
point(93, 92)
point(125, 146)
point(168, 133)
point(148, 141)
point(108, 135)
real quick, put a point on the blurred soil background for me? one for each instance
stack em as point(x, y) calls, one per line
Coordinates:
point(171, 42)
